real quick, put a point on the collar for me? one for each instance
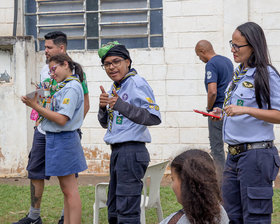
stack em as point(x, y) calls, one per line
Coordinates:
point(131, 72)
point(250, 72)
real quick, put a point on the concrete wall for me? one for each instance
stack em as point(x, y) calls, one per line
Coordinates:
point(17, 58)
point(175, 73)
point(7, 18)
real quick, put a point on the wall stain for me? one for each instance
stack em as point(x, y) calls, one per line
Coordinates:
point(98, 162)
point(2, 157)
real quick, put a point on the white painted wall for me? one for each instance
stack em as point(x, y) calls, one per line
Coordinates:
point(15, 128)
point(175, 73)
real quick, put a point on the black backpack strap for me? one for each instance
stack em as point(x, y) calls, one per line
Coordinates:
point(175, 218)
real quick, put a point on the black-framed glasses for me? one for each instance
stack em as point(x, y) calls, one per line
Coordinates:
point(115, 63)
point(235, 46)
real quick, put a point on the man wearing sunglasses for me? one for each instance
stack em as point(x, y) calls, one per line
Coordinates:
point(218, 73)
point(55, 43)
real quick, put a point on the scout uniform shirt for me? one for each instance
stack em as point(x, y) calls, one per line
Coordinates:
point(134, 90)
point(68, 101)
point(245, 128)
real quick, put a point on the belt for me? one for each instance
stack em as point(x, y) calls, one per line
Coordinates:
point(237, 149)
point(117, 145)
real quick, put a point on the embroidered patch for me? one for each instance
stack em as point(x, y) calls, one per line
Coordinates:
point(240, 102)
point(125, 96)
point(248, 85)
point(209, 74)
point(149, 100)
point(156, 107)
point(66, 101)
point(119, 119)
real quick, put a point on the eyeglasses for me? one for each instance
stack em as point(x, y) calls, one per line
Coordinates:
point(235, 46)
point(115, 63)
point(52, 69)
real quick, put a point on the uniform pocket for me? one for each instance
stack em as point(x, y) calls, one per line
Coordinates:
point(275, 167)
point(245, 93)
point(260, 200)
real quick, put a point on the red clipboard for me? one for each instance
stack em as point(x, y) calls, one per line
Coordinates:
point(206, 114)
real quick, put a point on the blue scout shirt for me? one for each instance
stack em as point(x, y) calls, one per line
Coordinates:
point(68, 101)
point(218, 69)
point(245, 128)
point(136, 91)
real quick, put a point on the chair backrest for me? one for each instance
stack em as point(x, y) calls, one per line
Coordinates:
point(155, 172)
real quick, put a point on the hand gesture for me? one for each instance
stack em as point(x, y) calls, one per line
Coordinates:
point(113, 100)
point(103, 98)
point(217, 112)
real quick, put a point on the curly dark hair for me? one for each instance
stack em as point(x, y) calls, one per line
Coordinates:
point(200, 192)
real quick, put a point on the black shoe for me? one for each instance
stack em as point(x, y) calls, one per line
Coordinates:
point(61, 220)
point(28, 220)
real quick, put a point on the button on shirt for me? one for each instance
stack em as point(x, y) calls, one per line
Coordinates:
point(68, 101)
point(136, 91)
point(245, 128)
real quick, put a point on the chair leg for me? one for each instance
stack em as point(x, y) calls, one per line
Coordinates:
point(143, 217)
point(95, 214)
point(159, 212)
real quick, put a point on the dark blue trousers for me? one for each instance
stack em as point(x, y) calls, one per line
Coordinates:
point(247, 185)
point(128, 164)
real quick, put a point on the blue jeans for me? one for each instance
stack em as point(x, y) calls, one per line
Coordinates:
point(128, 164)
point(247, 185)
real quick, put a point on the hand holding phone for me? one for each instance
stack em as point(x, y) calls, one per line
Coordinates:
point(207, 114)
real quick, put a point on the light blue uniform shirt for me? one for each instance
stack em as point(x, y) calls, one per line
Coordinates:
point(245, 128)
point(68, 101)
point(136, 91)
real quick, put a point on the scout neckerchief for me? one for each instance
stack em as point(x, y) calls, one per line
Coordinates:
point(117, 86)
point(49, 101)
point(239, 74)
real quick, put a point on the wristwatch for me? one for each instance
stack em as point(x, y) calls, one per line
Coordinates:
point(208, 109)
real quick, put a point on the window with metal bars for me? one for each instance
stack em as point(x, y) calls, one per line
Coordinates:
point(91, 23)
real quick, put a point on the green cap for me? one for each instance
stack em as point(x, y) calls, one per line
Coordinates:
point(106, 47)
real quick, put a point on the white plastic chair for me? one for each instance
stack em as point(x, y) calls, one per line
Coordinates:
point(152, 200)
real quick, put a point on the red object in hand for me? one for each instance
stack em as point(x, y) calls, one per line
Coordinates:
point(206, 114)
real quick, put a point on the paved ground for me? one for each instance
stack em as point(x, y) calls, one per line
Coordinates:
point(89, 180)
point(85, 180)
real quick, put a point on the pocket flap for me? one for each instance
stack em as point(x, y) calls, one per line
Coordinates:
point(277, 160)
point(260, 192)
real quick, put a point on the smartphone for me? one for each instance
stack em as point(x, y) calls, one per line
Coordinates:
point(206, 114)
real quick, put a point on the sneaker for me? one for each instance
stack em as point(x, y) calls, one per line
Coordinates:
point(61, 220)
point(28, 220)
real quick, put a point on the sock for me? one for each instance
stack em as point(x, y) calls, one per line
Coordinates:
point(62, 212)
point(34, 213)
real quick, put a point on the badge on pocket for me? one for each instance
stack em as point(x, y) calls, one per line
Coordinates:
point(119, 120)
point(240, 102)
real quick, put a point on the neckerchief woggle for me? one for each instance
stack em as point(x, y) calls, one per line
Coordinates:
point(238, 75)
point(117, 86)
point(49, 101)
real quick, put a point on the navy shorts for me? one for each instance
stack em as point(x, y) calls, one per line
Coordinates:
point(36, 158)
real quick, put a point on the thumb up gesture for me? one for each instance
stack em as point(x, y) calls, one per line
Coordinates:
point(113, 100)
point(103, 98)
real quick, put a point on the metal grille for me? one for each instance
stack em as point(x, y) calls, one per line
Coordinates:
point(90, 23)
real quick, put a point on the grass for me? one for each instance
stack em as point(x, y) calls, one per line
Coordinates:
point(15, 203)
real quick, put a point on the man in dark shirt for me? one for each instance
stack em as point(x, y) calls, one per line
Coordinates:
point(218, 73)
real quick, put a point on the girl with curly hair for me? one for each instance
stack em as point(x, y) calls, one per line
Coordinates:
point(195, 185)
